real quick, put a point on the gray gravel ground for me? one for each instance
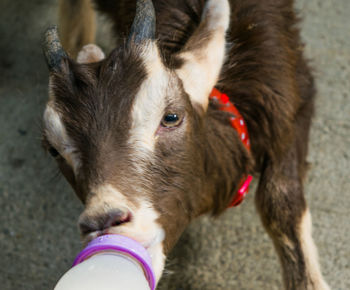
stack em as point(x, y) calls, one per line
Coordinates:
point(38, 234)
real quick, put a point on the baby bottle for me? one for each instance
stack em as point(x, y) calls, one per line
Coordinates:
point(110, 262)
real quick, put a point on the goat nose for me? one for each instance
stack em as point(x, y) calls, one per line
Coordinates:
point(104, 221)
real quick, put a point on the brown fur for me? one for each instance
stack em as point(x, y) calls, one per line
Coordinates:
point(265, 76)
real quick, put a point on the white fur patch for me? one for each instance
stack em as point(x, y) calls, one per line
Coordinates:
point(310, 254)
point(106, 197)
point(148, 108)
point(144, 229)
point(143, 226)
point(202, 66)
point(90, 53)
point(58, 138)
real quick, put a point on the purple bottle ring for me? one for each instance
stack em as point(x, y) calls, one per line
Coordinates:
point(120, 244)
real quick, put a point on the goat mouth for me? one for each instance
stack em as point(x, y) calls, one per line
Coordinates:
point(89, 235)
point(128, 226)
point(123, 220)
point(91, 227)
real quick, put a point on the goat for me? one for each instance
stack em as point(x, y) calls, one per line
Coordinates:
point(144, 148)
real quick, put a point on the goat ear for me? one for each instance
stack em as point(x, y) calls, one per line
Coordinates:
point(90, 53)
point(204, 53)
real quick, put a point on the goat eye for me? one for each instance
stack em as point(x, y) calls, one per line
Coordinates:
point(171, 120)
point(53, 152)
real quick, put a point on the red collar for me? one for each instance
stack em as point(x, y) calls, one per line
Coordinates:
point(238, 123)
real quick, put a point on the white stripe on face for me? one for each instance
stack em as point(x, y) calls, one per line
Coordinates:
point(147, 113)
point(149, 105)
point(57, 136)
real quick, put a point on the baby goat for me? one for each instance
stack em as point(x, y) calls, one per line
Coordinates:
point(145, 149)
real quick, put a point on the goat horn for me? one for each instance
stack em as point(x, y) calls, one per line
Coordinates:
point(144, 25)
point(53, 49)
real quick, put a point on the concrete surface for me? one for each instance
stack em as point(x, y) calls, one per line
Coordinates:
point(38, 210)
